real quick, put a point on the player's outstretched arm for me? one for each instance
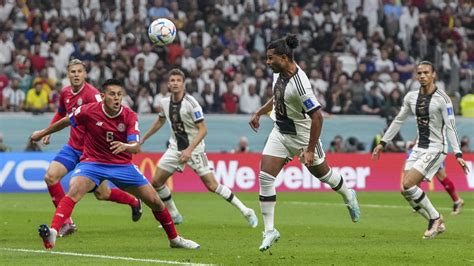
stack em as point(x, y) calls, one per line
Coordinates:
point(159, 122)
point(58, 126)
point(255, 120)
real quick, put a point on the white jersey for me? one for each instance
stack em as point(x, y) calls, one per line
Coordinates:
point(293, 99)
point(182, 117)
point(434, 118)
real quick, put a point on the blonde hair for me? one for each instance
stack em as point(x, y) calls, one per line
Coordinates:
point(76, 62)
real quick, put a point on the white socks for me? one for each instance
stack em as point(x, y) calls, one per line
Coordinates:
point(165, 195)
point(417, 198)
point(336, 182)
point(227, 194)
point(267, 199)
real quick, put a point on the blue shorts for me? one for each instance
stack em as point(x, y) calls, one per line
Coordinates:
point(122, 175)
point(68, 157)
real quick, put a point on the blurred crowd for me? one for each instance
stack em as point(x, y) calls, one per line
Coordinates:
point(360, 55)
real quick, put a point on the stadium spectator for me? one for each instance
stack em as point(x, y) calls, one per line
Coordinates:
point(13, 97)
point(242, 146)
point(250, 102)
point(336, 145)
point(230, 100)
point(36, 99)
point(36, 35)
point(372, 103)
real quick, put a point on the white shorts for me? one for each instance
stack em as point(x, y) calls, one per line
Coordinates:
point(198, 162)
point(289, 146)
point(427, 163)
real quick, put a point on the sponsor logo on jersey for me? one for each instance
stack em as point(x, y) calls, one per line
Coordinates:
point(308, 103)
point(121, 127)
point(99, 124)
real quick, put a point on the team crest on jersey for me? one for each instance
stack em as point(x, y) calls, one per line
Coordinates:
point(79, 101)
point(121, 127)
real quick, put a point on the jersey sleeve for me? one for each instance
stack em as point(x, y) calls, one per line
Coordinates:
point(197, 113)
point(160, 106)
point(79, 116)
point(133, 130)
point(306, 94)
point(449, 121)
point(399, 120)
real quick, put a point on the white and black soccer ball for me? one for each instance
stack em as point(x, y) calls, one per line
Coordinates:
point(162, 31)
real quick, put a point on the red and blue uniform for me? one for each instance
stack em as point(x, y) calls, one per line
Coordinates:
point(69, 101)
point(98, 162)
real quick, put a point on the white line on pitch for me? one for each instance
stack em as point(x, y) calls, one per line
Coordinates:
point(362, 205)
point(100, 256)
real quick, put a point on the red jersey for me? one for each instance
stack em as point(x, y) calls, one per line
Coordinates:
point(101, 129)
point(70, 101)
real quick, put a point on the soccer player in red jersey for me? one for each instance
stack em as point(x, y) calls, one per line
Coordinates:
point(111, 136)
point(71, 98)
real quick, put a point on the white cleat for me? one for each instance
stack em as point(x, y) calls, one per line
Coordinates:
point(269, 238)
point(180, 242)
point(353, 207)
point(251, 218)
point(435, 227)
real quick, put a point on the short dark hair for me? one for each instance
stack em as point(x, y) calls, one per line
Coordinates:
point(111, 82)
point(176, 72)
point(426, 62)
point(284, 46)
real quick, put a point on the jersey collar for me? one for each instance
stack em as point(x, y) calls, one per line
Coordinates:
point(109, 116)
point(75, 93)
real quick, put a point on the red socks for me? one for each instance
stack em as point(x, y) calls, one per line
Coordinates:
point(165, 220)
point(450, 188)
point(63, 212)
point(57, 193)
point(122, 197)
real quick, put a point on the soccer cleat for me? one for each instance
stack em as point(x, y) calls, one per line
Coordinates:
point(353, 207)
point(178, 219)
point(137, 212)
point(48, 235)
point(180, 242)
point(457, 207)
point(67, 229)
point(251, 218)
point(269, 238)
point(435, 227)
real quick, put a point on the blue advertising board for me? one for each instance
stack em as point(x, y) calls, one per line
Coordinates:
point(24, 172)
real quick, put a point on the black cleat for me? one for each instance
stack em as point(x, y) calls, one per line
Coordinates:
point(137, 212)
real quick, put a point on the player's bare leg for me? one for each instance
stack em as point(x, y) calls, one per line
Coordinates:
point(270, 167)
point(417, 198)
point(211, 184)
point(159, 183)
point(451, 189)
point(329, 176)
point(78, 187)
point(56, 171)
point(148, 195)
point(104, 192)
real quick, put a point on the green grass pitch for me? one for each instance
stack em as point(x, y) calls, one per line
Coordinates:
point(315, 229)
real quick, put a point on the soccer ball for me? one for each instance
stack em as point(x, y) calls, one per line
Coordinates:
point(162, 31)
